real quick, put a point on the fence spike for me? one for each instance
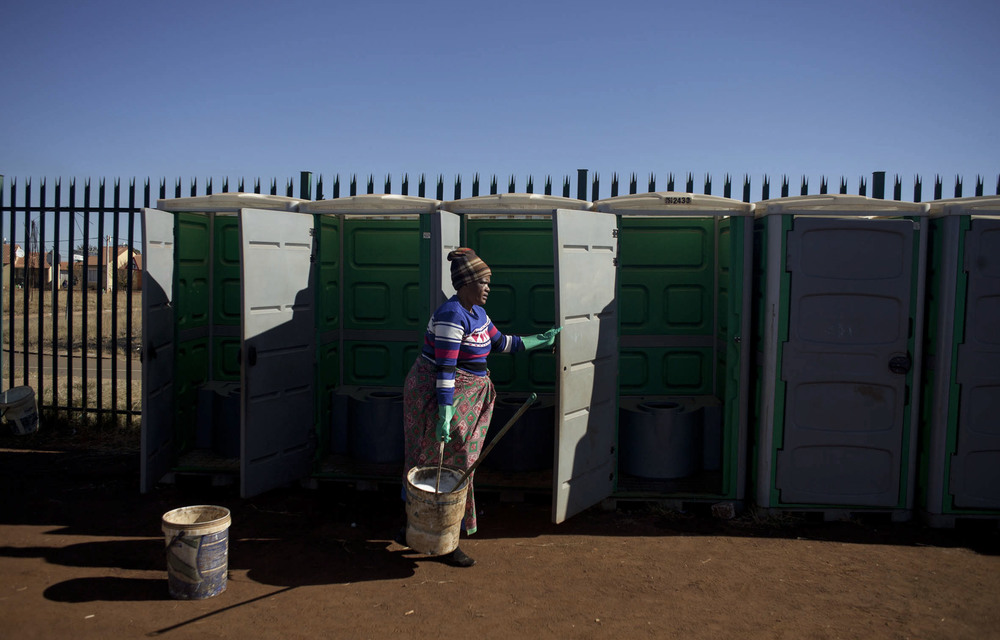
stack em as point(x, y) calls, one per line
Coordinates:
point(917, 188)
point(690, 183)
point(979, 185)
point(530, 186)
point(511, 188)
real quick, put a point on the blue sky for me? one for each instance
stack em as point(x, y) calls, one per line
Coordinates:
point(245, 89)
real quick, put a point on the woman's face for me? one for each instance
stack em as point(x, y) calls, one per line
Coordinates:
point(475, 292)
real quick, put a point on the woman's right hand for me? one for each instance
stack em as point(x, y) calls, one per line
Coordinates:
point(445, 413)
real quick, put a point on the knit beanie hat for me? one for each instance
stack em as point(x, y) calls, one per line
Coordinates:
point(466, 267)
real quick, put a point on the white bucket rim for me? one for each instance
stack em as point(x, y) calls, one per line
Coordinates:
point(21, 394)
point(175, 522)
point(431, 470)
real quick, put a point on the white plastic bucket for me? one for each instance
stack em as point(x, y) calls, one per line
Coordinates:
point(20, 410)
point(434, 520)
point(197, 551)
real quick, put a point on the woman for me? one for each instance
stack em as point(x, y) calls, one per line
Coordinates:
point(448, 395)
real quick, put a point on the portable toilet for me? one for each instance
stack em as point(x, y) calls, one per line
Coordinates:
point(513, 234)
point(227, 304)
point(371, 323)
point(685, 266)
point(960, 456)
point(840, 298)
point(570, 255)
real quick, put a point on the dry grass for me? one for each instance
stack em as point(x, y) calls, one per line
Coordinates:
point(111, 416)
point(109, 423)
point(53, 332)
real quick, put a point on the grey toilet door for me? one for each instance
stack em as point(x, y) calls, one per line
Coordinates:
point(157, 440)
point(975, 466)
point(445, 238)
point(845, 361)
point(279, 349)
point(585, 248)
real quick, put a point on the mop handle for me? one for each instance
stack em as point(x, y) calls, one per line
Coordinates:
point(437, 485)
point(510, 423)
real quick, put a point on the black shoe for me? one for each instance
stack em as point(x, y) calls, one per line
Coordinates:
point(457, 558)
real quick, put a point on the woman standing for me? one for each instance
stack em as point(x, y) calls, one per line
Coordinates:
point(448, 396)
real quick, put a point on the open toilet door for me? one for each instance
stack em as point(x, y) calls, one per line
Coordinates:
point(445, 238)
point(157, 441)
point(279, 349)
point(585, 247)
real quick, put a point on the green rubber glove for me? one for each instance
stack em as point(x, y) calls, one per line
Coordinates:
point(541, 340)
point(445, 413)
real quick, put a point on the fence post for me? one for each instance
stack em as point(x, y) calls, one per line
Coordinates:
point(878, 185)
point(581, 184)
point(305, 185)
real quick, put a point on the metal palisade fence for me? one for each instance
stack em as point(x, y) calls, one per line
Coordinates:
point(72, 265)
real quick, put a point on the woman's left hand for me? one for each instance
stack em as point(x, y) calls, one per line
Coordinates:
point(541, 340)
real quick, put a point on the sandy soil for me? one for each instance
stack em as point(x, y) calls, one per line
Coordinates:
point(82, 556)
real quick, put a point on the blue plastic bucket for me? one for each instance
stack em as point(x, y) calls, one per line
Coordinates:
point(197, 551)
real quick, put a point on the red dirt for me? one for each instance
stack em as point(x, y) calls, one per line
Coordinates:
point(82, 556)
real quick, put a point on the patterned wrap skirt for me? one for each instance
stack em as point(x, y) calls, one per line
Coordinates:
point(474, 398)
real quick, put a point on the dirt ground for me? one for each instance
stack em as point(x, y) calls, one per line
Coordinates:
point(82, 556)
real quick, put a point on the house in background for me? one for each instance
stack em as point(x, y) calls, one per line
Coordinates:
point(10, 254)
point(108, 266)
point(22, 268)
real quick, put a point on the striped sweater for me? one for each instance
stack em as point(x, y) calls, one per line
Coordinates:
point(457, 338)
